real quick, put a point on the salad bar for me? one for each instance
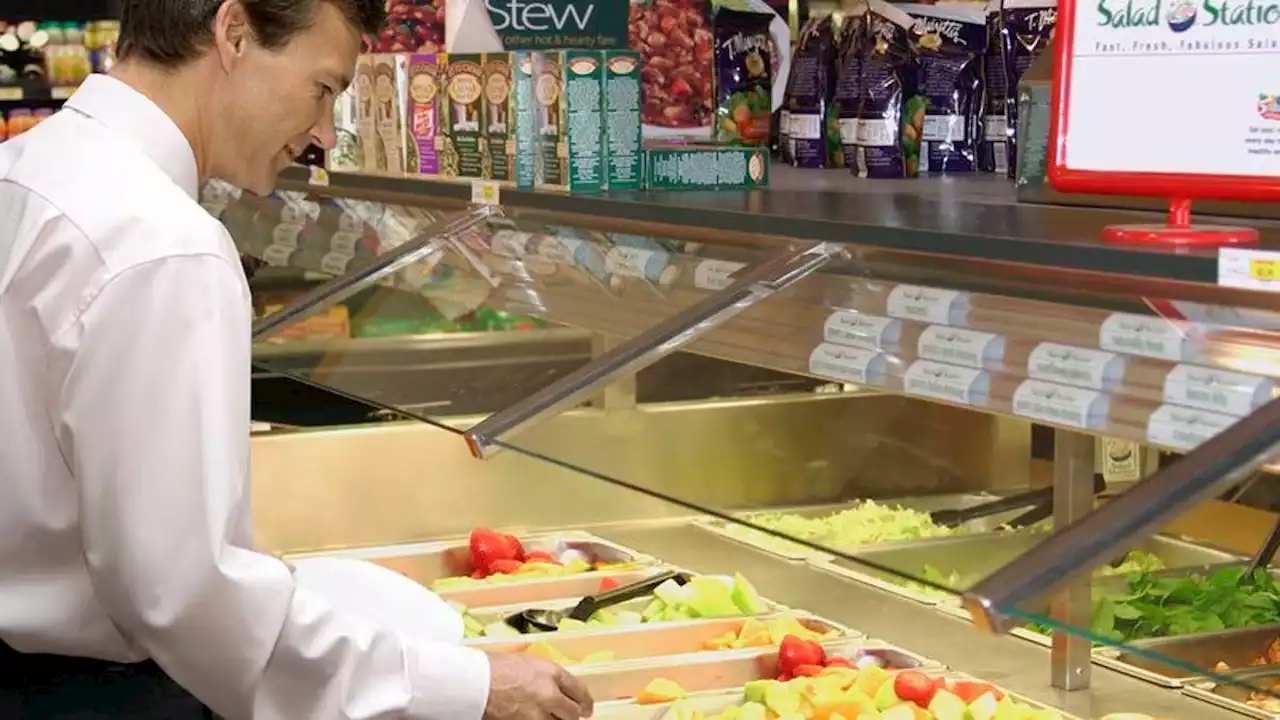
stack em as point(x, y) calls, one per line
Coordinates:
point(654, 640)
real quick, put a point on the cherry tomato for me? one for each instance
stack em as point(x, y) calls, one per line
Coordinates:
point(486, 546)
point(969, 691)
point(839, 662)
point(807, 671)
point(915, 687)
point(541, 556)
point(794, 652)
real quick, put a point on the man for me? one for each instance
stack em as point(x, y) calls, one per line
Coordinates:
point(125, 529)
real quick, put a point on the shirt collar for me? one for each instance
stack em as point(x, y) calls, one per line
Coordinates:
point(127, 112)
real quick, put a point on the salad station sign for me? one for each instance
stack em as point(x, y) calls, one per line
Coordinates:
point(1169, 98)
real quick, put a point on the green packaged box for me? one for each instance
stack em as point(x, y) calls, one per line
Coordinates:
point(709, 167)
point(525, 112)
point(569, 92)
point(463, 145)
point(624, 168)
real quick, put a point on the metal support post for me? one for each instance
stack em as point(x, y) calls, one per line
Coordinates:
point(1072, 604)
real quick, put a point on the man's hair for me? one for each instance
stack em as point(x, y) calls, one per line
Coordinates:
point(171, 33)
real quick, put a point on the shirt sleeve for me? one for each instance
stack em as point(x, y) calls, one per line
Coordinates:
point(156, 413)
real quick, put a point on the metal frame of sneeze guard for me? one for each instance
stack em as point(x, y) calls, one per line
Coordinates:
point(751, 285)
point(434, 239)
point(1214, 467)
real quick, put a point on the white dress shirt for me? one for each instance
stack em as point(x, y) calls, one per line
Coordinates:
point(125, 528)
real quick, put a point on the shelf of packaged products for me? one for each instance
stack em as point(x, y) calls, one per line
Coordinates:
point(59, 10)
point(976, 217)
point(35, 93)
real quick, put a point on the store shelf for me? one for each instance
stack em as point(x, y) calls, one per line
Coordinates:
point(59, 10)
point(32, 93)
point(970, 218)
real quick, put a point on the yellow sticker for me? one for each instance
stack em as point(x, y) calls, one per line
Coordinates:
point(1265, 269)
point(484, 192)
point(318, 176)
point(10, 93)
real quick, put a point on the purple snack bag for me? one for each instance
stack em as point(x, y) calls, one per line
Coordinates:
point(744, 58)
point(809, 91)
point(877, 125)
point(950, 41)
point(992, 155)
point(1026, 26)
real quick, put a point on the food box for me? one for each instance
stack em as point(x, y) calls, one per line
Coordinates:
point(422, 103)
point(1242, 694)
point(788, 550)
point(346, 155)
point(701, 673)
point(964, 560)
point(624, 161)
point(1194, 654)
point(463, 143)
point(371, 159)
point(499, 117)
point(570, 123)
point(525, 109)
point(678, 166)
point(390, 83)
point(662, 640)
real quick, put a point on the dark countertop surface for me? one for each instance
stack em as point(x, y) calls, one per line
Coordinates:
point(964, 217)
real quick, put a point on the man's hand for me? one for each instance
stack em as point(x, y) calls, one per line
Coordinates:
point(527, 688)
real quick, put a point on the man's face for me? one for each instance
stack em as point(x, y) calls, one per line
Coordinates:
point(280, 101)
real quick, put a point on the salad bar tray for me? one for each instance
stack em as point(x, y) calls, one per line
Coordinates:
point(788, 550)
point(961, 561)
point(1239, 648)
point(667, 640)
point(1254, 692)
point(703, 673)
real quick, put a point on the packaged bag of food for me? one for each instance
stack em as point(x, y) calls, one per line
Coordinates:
point(812, 86)
point(744, 76)
point(995, 127)
point(950, 42)
point(676, 65)
point(1026, 27)
point(880, 117)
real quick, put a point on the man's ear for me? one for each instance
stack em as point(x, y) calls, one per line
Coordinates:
point(231, 33)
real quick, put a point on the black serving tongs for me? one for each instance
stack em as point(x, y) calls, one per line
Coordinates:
point(1262, 559)
point(1039, 502)
point(533, 620)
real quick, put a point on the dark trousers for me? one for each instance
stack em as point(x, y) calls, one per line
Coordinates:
point(53, 687)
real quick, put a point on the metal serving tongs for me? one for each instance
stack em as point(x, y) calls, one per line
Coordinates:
point(1262, 559)
point(549, 620)
point(1039, 502)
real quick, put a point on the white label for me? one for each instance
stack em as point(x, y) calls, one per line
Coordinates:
point(1183, 428)
point(558, 249)
point(345, 242)
point(1095, 369)
point(1150, 336)
point(334, 263)
point(1252, 269)
point(484, 192)
point(869, 133)
point(278, 255)
point(286, 235)
point(1218, 390)
point(806, 127)
point(943, 128)
point(784, 122)
point(715, 274)
point(510, 243)
point(1059, 404)
point(995, 128)
point(962, 347)
point(1208, 59)
point(350, 222)
point(865, 331)
point(628, 261)
point(854, 365)
point(966, 386)
point(913, 302)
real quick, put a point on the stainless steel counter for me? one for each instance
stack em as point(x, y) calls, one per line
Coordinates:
point(1017, 665)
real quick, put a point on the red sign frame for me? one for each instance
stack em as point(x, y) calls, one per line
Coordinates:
point(1198, 186)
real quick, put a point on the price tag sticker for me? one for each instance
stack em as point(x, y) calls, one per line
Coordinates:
point(317, 176)
point(484, 192)
point(10, 93)
point(1249, 269)
point(62, 92)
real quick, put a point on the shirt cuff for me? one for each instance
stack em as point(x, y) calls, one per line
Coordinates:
point(449, 682)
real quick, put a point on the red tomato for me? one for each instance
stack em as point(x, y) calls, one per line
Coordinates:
point(816, 648)
point(512, 549)
point(505, 567)
point(486, 546)
point(479, 574)
point(916, 687)
point(794, 652)
point(609, 583)
point(969, 691)
point(680, 88)
point(807, 671)
point(839, 662)
point(541, 556)
point(784, 677)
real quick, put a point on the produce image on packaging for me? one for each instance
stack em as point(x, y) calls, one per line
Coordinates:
point(744, 77)
point(411, 26)
point(810, 90)
point(463, 149)
point(950, 42)
point(674, 40)
point(881, 118)
point(424, 114)
point(1026, 29)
